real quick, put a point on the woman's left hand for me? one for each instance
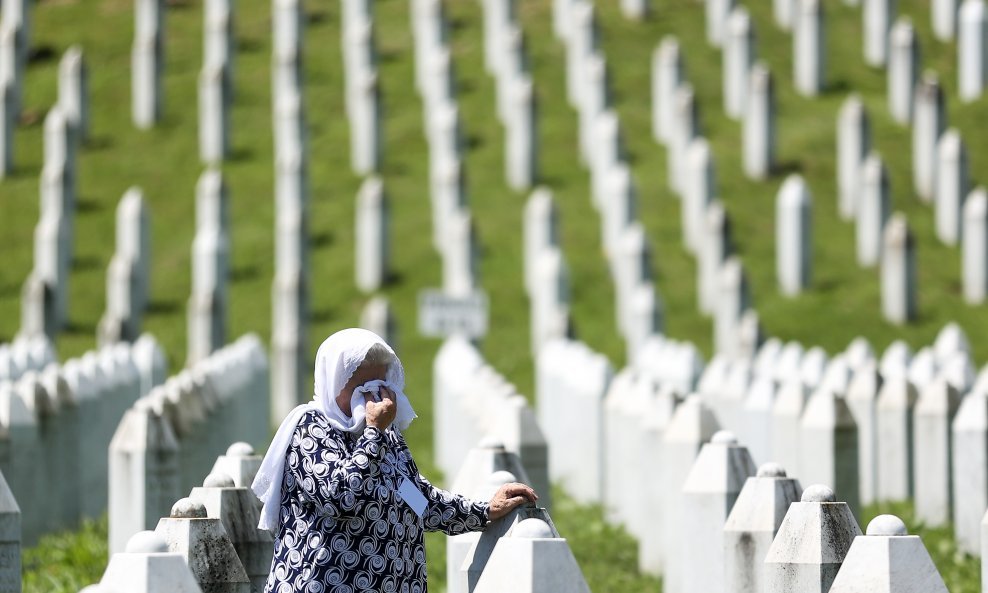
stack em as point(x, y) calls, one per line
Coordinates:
point(508, 498)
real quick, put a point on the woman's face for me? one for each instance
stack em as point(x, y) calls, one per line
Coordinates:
point(364, 373)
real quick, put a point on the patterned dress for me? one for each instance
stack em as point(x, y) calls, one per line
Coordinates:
point(343, 527)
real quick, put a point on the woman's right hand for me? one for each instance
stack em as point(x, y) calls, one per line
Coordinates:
point(381, 414)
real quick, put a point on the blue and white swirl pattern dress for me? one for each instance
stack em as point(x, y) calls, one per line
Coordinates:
point(343, 528)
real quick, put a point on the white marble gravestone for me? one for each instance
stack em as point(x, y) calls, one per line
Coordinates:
point(752, 525)
point(809, 47)
point(943, 18)
point(972, 50)
point(898, 271)
point(929, 123)
point(903, 70)
point(896, 439)
point(811, 543)
point(205, 546)
point(933, 455)
point(738, 58)
point(372, 230)
point(758, 125)
point(969, 470)
point(873, 210)
point(878, 18)
point(862, 401)
point(853, 145)
point(974, 247)
point(668, 72)
point(709, 492)
point(715, 246)
point(828, 446)
point(952, 186)
point(793, 236)
point(147, 566)
point(887, 559)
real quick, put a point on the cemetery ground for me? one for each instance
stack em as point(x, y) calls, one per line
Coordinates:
point(843, 301)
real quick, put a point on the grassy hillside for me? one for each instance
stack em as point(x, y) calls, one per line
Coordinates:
point(843, 302)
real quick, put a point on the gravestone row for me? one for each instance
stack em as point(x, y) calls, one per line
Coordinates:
point(167, 440)
point(58, 422)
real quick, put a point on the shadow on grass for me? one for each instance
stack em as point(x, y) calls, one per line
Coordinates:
point(164, 308)
point(245, 273)
point(41, 54)
point(322, 239)
point(86, 262)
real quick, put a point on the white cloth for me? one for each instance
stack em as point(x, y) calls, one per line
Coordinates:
point(337, 359)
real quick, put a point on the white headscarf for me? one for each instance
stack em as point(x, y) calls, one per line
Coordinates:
point(337, 359)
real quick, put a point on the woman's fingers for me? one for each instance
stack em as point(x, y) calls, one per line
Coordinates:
point(517, 489)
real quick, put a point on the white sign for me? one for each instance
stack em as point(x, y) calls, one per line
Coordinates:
point(442, 315)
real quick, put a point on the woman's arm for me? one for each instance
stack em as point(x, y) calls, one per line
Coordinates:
point(336, 482)
point(451, 513)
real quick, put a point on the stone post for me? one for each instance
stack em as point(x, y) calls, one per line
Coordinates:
point(752, 525)
point(239, 511)
point(809, 47)
point(717, 14)
point(873, 210)
point(929, 123)
point(373, 240)
point(853, 145)
point(709, 493)
point(972, 50)
point(969, 470)
point(205, 546)
point(974, 247)
point(933, 489)
point(793, 236)
point(147, 63)
point(738, 58)
point(896, 439)
point(143, 474)
point(73, 92)
point(952, 186)
point(699, 190)
point(862, 398)
point(715, 246)
point(811, 543)
point(943, 17)
point(758, 125)
point(898, 271)
point(878, 18)
point(887, 558)
point(685, 127)
point(828, 446)
point(782, 11)
point(790, 401)
point(541, 221)
point(214, 115)
point(521, 142)
point(903, 70)
point(733, 299)
point(668, 73)
point(146, 566)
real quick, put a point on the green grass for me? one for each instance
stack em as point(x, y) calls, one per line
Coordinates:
point(843, 302)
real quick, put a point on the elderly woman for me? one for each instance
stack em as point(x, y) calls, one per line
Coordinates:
point(341, 492)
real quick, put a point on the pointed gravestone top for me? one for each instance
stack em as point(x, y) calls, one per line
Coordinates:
point(240, 449)
point(858, 352)
point(218, 480)
point(186, 508)
point(693, 422)
point(532, 529)
point(146, 542)
point(888, 560)
point(950, 340)
point(895, 359)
